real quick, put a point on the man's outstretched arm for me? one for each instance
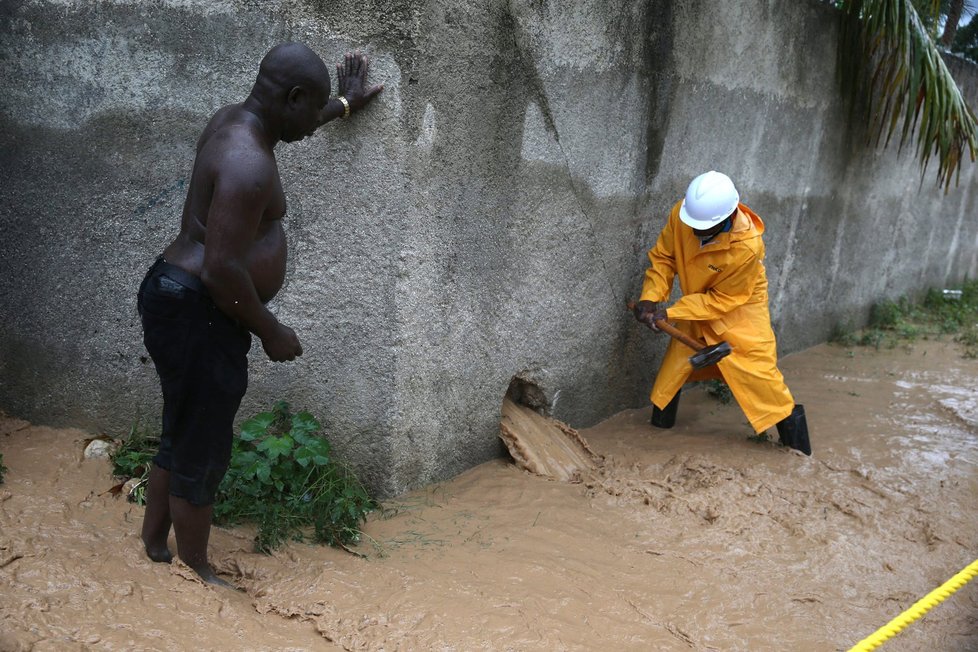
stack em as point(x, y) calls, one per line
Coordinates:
point(351, 77)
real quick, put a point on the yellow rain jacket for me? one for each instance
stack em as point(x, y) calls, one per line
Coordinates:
point(724, 288)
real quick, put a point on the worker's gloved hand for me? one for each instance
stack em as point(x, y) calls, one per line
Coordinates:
point(660, 314)
point(646, 311)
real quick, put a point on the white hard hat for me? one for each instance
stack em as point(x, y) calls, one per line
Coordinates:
point(710, 198)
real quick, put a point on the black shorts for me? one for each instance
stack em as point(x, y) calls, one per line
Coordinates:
point(201, 356)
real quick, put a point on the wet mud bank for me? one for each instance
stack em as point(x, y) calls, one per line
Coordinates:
point(696, 538)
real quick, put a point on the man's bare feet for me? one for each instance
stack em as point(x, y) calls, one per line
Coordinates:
point(156, 520)
point(208, 575)
point(158, 553)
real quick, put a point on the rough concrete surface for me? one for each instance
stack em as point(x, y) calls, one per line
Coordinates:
point(485, 219)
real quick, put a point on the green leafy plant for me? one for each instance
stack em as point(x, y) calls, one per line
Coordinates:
point(843, 335)
point(719, 390)
point(893, 322)
point(283, 478)
point(133, 458)
point(885, 314)
point(875, 338)
point(969, 338)
point(888, 58)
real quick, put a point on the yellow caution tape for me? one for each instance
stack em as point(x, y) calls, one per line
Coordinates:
point(919, 608)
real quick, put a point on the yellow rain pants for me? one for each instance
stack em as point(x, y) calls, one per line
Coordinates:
point(724, 288)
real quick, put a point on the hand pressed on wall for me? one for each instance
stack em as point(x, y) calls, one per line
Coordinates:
point(352, 80)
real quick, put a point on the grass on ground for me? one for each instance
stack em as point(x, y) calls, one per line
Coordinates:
point(892, 323)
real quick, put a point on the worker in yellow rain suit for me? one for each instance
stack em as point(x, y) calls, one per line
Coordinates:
point(713, 242)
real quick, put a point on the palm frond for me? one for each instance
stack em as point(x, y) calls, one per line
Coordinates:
point(888, 58)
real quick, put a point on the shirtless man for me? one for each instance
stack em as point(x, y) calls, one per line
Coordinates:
point(205, 296)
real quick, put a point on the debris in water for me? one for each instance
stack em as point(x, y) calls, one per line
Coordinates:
point(98, 449)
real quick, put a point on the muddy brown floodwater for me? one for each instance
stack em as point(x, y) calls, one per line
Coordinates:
point(691, 539)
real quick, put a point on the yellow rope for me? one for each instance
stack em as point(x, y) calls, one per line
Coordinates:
point(919, 608)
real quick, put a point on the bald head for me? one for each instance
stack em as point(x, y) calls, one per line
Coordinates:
point(288, 65)
point(290, 93)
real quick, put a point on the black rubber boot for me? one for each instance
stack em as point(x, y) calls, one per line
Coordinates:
point(666, 418)
point(793, 431)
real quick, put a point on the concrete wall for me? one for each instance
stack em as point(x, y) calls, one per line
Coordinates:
point(486, 218)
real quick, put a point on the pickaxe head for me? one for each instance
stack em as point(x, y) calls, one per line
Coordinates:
point(710, 355)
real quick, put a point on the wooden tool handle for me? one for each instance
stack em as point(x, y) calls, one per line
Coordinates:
point(672, 331)
point(668, 328)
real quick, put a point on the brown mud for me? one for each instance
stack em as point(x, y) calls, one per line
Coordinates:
point(695, 538)
point(545, 446)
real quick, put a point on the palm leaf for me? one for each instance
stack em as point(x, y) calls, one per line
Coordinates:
point(888, 59)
